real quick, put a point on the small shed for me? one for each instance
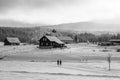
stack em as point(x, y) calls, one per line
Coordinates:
point(66, 39)
point(104, 44)
point(11, 41)
point(50, 42)
point(115, 41)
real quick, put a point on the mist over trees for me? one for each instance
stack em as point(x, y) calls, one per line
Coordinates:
point(32, 35)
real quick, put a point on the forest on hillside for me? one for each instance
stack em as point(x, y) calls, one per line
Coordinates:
point(24, 34)
point(32, 35)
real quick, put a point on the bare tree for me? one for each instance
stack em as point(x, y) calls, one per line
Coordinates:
point(109, 61)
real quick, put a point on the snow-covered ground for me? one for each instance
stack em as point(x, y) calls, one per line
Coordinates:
point(80, 62)
point(12, 70)
point(75, 52)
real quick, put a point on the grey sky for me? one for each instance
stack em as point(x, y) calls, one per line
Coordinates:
point(60, 11)
point(8, 4)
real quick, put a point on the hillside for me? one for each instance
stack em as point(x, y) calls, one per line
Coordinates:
point(81, 31)
point(74, 27)
point(89, 27)
point(12, 23)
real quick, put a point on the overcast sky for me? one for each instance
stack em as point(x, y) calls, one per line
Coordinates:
point(60, 11)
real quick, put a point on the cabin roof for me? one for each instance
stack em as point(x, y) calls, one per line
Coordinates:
point(13, 39)
point(114, 40)
point(55, 39)
point(65, 38)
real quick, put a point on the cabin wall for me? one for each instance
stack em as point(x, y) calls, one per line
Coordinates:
point(44, 43)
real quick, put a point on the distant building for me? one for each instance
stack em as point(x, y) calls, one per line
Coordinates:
point(50, 42)
point(11, 41)
point(115, 41)
point(104, 44)
point(66, 39)
point(111, 42)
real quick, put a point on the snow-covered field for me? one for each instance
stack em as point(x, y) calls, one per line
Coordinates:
point(75, 52)
point(17, 70)
point(80, 62)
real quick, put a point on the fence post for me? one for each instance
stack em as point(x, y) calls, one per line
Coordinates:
point(109, 61)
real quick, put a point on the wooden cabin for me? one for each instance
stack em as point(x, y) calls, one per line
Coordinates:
point(50, 42)
point(11, 41)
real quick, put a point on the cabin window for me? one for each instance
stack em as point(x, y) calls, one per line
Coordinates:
point(44, 39)
point(41, 43)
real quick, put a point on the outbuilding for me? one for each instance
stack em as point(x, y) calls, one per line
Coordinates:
point(66, 39)
point(11, 41)
point(105, 44)
point(115, 41)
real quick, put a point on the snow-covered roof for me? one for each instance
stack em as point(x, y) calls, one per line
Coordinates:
point(65, 38)
point(116, 40)
point(13, 39)
point(55, 39)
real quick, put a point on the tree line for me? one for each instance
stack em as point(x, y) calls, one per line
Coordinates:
point(32, 35)
point(84, 37)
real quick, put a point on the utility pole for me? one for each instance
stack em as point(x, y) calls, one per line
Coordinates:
point(109, 61)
